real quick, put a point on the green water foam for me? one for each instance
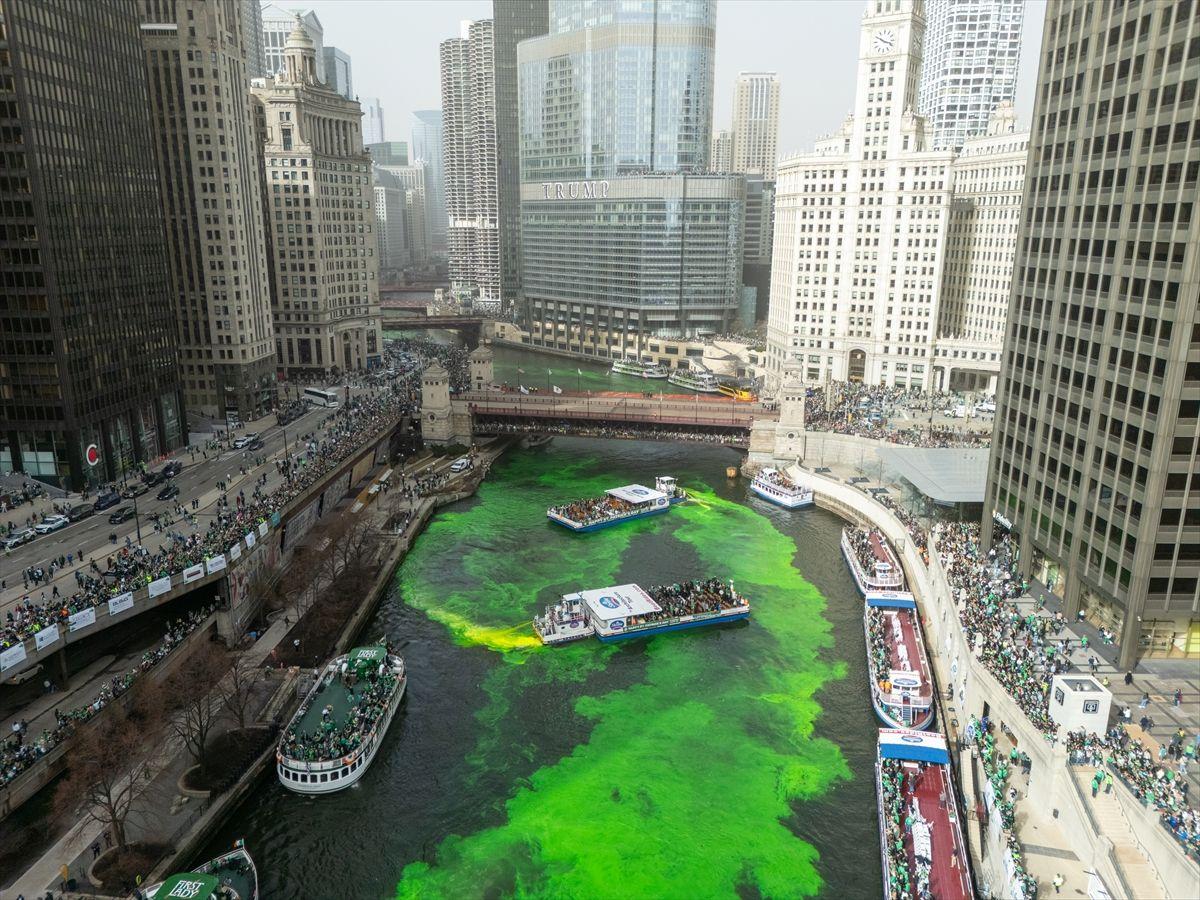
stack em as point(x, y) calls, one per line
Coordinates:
point(686, 783)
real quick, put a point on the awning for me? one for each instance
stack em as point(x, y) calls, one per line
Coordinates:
point(922, 746)
point(943, 474)
point(620, 601)
point(636, 493)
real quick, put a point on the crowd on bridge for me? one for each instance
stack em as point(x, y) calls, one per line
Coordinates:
point(641, 431)
point(21, 751)
point(134, 566)
point(869, 411)
point(1150, 777)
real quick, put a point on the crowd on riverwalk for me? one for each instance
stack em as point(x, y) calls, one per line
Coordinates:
point(870, 411)
point(1156, 780)
point(21, 751)
point(333, 739)
point(902, 882)
point(134, 566)
point(996, 769)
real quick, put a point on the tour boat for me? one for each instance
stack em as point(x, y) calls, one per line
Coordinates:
point(773, 485)
point(621, 504)
point(638, 369)
point(231, 876)
point(701, 382)
point(736, 392)
point(901, 677)
point(873, 564)
point(629, 611)
point(327, 747)
point(920, 828)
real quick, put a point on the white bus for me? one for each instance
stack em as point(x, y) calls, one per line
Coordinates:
point(321, 396)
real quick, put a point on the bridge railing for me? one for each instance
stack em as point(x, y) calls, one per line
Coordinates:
point(625, 409)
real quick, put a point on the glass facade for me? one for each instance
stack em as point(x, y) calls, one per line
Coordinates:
point(86, 300)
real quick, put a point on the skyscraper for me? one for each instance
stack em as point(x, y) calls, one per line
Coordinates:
point(389, 214)
point(470, 162)
point(252, 38)
point(388, 153)
point(972, 48)
point(277, 24)
point(427, 149)
point(621, 242)
point(208, 161)
point(864, 225)
point(339, 74)
point(514, 21)
point(372, 128)
point(1095, 465)
point(86, 308)
point(755, 133)
point(321, 212)
point(720, 160)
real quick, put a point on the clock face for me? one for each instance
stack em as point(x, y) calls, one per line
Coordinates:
point(884, 41)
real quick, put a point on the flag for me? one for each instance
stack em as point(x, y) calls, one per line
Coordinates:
point(549, 372)
point(557, 389)
point(579, 371)
point(520, 371)
point(524, 390)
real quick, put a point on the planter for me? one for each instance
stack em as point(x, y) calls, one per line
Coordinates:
point(182, 785)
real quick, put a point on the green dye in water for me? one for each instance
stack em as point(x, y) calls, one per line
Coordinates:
point(684, 786)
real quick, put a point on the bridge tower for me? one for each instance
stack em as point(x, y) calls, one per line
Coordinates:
point(483, 370)
point(789, 431)
point(436, 415)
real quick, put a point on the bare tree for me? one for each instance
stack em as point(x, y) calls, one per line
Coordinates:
point(237, 688)
point(196, 702)
point(111, 761)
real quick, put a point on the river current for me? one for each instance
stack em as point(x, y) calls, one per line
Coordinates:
point(726, 762)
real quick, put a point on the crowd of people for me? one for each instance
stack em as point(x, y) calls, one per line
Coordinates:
point(1152, 778)
point(20, 752)
point(690, 598)
point(332, 739)
point(862, 544)
point(869, 411)
point(593, 510)
point(898, 823)
point(640, 432)
point(996, 769)
point(134, 566)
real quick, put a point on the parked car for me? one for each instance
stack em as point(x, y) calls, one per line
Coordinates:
point(460, 465)
point(153, 478)
point(105, 500)
point(121, 514)
point(18, 537)
point(987, 406)
point(80, 511)
point(168, 492)
point(245, 440)
point(51, 523)
point(171, 469)
point(255, 444)
point(135, 489)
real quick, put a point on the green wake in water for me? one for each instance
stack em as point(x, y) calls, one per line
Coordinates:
point(684, 786)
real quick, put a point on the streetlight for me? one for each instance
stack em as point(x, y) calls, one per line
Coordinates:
point(137, 520)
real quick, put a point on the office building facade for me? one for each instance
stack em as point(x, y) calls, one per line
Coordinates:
point(621, 242)
point(469, 160)
point(252, 38)
point(513, 21)
point(89, 381)
point(972, 50)
point(389, 218)
point(411, 183)
point(755, 134)
point(427, 149)
point(388, 153)
point(720, 158)
point(322, 220)
point(208, 161)
point(339, 72)
point(1095, 465)
point(277, 25)
point(373, 130)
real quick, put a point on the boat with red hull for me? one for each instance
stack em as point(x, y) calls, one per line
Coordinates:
point(871, 560)
point(923, 846)
point(901, 678)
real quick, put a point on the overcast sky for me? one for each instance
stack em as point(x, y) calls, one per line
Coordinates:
point(812, 44)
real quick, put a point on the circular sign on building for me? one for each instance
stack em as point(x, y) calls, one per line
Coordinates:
point(92, 455)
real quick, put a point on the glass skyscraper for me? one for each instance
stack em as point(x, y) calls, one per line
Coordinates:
point(624, 237)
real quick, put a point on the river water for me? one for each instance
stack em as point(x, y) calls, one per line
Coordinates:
point(726, 762)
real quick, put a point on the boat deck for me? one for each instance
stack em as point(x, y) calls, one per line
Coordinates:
point(949, 877)
point(236, 872)
point(911, 641)
point(335, 695)
point(881, 551)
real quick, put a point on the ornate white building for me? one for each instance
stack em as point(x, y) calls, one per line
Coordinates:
point(864, 224)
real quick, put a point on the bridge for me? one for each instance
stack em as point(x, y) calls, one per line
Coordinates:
point(403, 316)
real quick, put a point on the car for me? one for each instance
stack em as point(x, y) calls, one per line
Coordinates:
point(171, 469)
point(240, 443)
point(121, 514)
point(460, 465)
point(255, 444)
point(153, 478)
point(51, 523)
point(105, 500)
point(168, 492)
point(135, 489)
point(18, 537)
point(987, 406)
point(80, 511)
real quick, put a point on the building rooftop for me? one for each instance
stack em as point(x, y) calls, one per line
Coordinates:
point(943, 474)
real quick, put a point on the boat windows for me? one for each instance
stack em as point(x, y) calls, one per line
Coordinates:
point(324, 777)
point(345, 771)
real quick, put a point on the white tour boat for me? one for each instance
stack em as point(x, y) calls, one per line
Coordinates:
point(871, 561)
point(700, 382)
point(773, 485)
point(638, 369)
point(621, 504)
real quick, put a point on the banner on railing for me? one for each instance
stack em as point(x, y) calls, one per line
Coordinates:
point(235, 552)
point(120, 603)
point(215, 564)
point(262, 529)
point(193, 573)
point(12, 656)
point(160, 586)
point(81, 619)
point(45, 637)
point(250, 539)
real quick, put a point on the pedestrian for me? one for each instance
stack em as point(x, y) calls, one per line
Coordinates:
point(65, 874)
point(95, 849)
point(1145, 701)
point(1178, 696)
point(1059, 881)
point(1108, 782)
point(1128, 678)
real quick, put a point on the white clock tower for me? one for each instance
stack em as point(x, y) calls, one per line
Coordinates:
point(889, 75)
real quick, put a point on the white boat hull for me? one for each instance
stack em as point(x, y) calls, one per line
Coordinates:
point(780, 498)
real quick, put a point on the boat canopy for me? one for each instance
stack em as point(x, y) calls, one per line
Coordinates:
point(190, 885)
point(366, 659)
point(921, 746)
point(618, 602)
point(892, 599)
point(636, 493)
